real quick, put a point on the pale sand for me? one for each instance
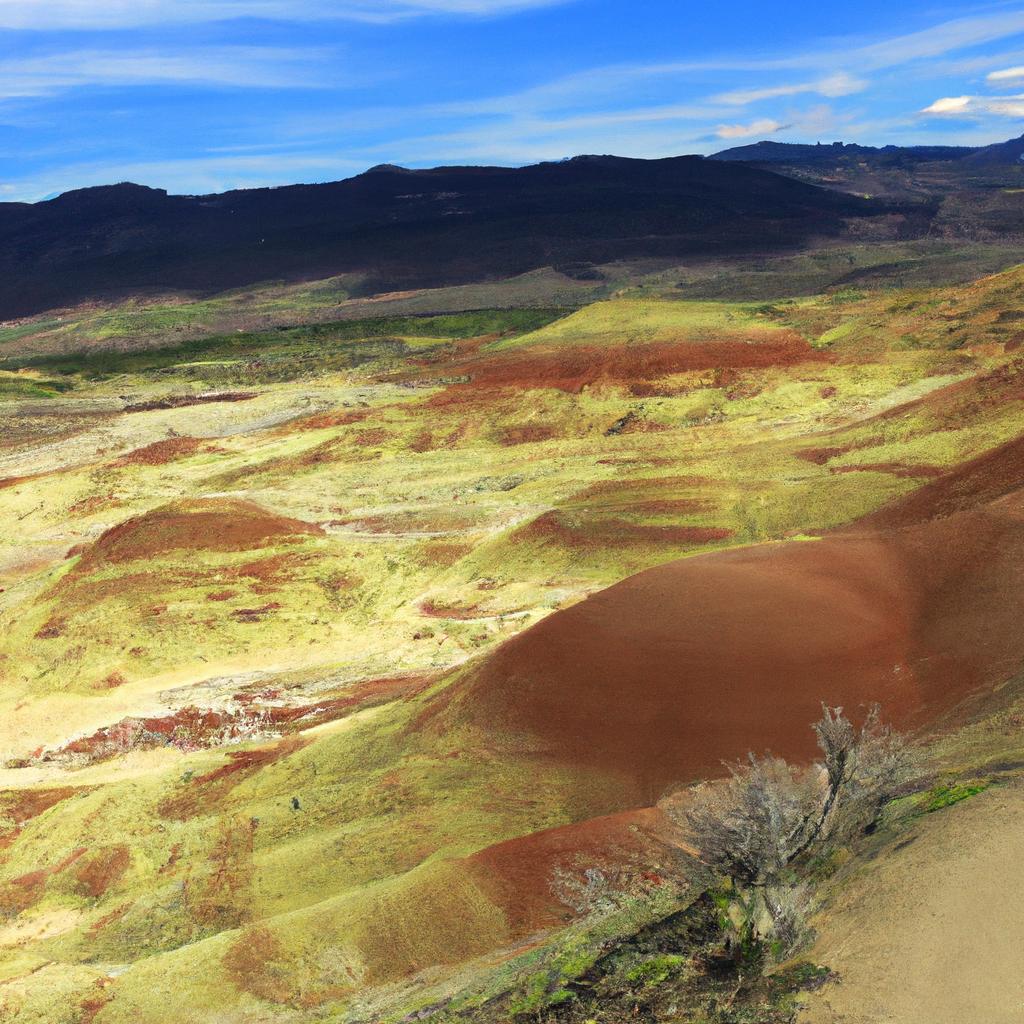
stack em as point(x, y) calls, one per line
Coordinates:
point(933, 933)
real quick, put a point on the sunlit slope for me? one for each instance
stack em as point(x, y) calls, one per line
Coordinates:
point(245, 758)
point(666, 674)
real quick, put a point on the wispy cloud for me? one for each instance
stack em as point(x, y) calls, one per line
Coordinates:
point(763, 126)
point(839, 84)
point(48, 15)
point(233, 66)
point(1006, 76)
point(947, 37)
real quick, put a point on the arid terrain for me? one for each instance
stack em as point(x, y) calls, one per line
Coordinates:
point(348, 635)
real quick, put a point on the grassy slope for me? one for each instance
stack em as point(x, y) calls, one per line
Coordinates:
point(453, 517)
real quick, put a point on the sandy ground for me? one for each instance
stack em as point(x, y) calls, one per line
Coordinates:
point(932, 932)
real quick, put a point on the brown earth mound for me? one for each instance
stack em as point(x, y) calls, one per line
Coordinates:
point(208, 524)
point(572, 368)
point(537, 879)
point(660, 677)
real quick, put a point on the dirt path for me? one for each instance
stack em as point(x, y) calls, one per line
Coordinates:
point(933, 932)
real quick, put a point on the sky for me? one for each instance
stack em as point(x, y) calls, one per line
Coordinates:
point(199, 96)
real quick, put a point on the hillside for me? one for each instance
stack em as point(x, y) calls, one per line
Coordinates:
point(793, 153)
point(661, 677)
point(967, 177)
point(398, 228)
point(341, 636)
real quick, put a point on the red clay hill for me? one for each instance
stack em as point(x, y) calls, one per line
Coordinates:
point(658, 679)
point(208, 524)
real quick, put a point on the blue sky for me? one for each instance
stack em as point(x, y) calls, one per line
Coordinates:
point(203, 95)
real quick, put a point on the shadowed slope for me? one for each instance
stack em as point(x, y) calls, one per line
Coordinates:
point(665, 674)
point(448, 224)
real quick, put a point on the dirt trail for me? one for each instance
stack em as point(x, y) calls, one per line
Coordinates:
point(933, 932)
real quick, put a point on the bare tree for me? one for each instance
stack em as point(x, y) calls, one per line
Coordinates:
point(756, 825)
point(751, 826)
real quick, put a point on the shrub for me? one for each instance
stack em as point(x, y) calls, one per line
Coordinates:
point(768, 816)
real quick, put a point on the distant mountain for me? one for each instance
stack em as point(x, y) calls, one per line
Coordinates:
point(798, 153)
point(409, 228)
point(1001, 154)
point(932, 173)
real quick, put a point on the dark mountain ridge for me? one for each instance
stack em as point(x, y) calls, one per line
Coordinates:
point(899, 172)
point(410, 228)
point(767, 152)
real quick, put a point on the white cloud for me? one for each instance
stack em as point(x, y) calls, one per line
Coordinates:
point(47, 15)
point(1007, 76)
point(234, 66)
point(764, 126)
point(977, 106)
point(839, 84)
point(949, 105)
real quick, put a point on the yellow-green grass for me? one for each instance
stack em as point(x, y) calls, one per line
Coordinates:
point(447, 526)
point(156, 321)
point(638, 321)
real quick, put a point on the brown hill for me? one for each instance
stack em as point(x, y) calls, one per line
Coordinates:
point(201, 524)
point(660, 677)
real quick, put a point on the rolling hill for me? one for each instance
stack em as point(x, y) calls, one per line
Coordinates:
point(358, 650)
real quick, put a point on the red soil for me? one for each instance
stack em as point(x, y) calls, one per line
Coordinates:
point(159, 453)
point(520, 875)
point(623, 491)
point(371, 437)
point(528, 433)
point(207, 792)
point(323, 420)
point(207, 524)
point(19, 806)
point(369, 693)
point(13, 481)
point(433, 610)
point(26, 890)
point(410, 521)
point(102, 870)
point(573, 367)
point(970, 485)
point(257, 963)
point(657, 679)
point(440, 554)
point(819, 456)
point(180, 401)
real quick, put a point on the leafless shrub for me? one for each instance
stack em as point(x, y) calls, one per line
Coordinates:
point(768, 813)
point(788, 908)
point(750, 827)
point(768, 816)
